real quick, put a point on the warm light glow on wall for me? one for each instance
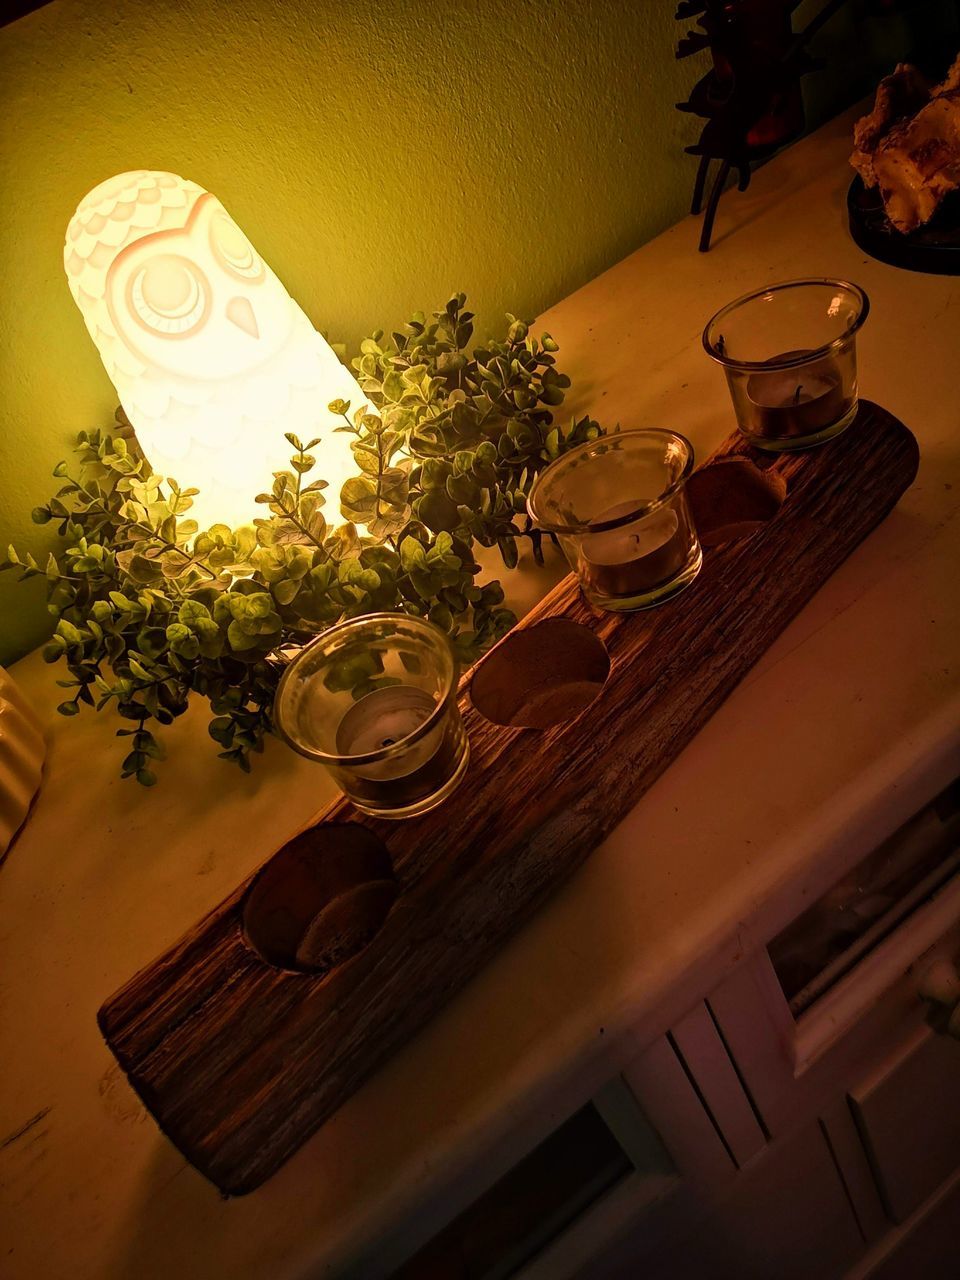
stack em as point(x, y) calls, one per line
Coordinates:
point(211, 358)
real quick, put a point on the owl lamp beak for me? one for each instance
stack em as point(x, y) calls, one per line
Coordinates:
point(240, 313)
point(172, 292)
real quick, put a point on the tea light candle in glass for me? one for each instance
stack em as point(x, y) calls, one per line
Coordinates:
point(375, 700)
point(790, 356)
point(618, 506)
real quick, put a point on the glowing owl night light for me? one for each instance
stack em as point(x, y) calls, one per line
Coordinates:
point(211, 358)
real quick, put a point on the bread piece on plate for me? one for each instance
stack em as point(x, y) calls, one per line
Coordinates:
point(899, 96)
point(918, 162)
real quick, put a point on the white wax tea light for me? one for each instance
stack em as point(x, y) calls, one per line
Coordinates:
point(634, 557)
point(380, 720)
point(798, 401)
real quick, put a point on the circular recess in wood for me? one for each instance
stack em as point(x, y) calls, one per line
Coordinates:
point(321, 899)
point(541, 675)
point(732, 498)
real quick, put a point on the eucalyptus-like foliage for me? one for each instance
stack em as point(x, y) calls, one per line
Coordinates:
point(150, 609)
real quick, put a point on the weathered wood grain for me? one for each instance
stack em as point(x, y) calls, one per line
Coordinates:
point(241, 1062)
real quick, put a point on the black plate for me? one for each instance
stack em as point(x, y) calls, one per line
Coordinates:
point(934, 248)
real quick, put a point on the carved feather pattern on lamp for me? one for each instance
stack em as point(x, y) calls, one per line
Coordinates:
point(211, 358)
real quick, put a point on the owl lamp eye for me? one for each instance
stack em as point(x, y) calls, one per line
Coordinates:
point(170, 296)
point(212, 359)
point(233, 249)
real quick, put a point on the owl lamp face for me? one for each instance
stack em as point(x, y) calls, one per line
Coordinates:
point(212, 359)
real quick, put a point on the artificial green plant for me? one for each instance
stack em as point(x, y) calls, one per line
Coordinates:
point(151, 610)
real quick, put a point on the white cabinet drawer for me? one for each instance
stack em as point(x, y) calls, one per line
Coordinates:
point(842, 1032)
point(810, 1016)
point(908, 1112)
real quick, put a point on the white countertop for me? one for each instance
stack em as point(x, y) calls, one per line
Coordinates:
point(850, 722)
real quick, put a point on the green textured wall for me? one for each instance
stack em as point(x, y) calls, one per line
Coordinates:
point(380, 155)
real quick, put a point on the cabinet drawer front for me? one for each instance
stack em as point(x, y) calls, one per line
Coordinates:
point(908, 1112)
point(810, 1014)
point(847, 923)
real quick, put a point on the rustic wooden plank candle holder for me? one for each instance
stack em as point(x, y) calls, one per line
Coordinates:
point(249, 1032)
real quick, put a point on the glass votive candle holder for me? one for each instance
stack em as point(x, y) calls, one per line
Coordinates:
point(375, 701)
point(618, 506)
point(790, 355)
